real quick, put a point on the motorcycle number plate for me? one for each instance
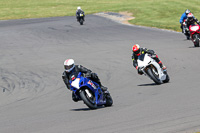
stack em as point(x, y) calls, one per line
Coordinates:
point(194, 28)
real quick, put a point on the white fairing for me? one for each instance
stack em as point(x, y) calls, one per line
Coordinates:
point(75, 83)
point(149, 61)
point(194, 28)
point(145, 62)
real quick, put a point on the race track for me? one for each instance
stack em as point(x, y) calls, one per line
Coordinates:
point(34, 99)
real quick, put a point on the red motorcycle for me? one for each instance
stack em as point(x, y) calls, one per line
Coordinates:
point(195, 34)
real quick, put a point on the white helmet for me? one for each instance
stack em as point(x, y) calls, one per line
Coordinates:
point(78, 8)
point(187, 11)
point(69, 65)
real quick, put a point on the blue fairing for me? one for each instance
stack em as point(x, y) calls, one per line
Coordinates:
point(85, 82)
point(184, 16)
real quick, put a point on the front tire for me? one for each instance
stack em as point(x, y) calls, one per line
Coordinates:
point(81, 21)
point(88, 100)
point(153, 76)
point(196, 43)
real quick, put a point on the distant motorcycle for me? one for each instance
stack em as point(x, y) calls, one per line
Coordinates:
point(81, 18)
point(90, 92)
point(152, 69)
point(195, 34)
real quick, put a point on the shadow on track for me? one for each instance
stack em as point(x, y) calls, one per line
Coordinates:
point(86, 109)
point(81, 109)
point(193, 47)
point(152, 84)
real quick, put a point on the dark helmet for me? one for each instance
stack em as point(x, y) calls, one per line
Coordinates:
point(136, 49)
point(187, 11)
point(69, 65)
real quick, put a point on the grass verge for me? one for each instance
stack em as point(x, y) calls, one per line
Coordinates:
point(163, 14)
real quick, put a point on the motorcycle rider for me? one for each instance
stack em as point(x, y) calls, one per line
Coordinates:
point(183, 27)
point(183, 17)
point(137, 51)
point(191, 20)
point(71, 72)
point(78, 12)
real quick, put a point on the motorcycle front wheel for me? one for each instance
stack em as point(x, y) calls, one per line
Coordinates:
point(196, 38)
point(88, 98)
point(154, 76)
point(81, 21)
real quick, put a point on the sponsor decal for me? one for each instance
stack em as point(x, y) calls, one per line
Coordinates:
point(92, 84)
point(72, 77)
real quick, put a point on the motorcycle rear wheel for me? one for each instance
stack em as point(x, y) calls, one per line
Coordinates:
point(109, 100)
point(167, 79)
point(88, 100)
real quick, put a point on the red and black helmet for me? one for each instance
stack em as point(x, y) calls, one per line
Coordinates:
point(136, 49)
point(190, 16)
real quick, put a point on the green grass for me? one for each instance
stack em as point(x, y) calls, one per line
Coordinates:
point(163, 14)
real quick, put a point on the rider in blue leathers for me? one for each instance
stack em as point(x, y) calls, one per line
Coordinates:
point(183, 17)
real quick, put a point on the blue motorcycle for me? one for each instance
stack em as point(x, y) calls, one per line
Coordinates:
point(90, 92)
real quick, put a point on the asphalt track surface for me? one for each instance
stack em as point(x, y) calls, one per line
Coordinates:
point(34, 99)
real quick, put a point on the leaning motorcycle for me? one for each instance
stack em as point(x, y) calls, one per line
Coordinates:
point(90, 92)
point(81, 18)
point(195, 34)
point(152, 69)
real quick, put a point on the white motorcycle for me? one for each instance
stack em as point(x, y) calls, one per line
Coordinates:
point(152, 69)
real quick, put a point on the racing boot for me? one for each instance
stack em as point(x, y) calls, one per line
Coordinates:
point(105, 90)
point(164, 68)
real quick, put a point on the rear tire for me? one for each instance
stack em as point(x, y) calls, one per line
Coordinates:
point(154, 76)
point(167, 79)
point(89, 101)
point(109, 100)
